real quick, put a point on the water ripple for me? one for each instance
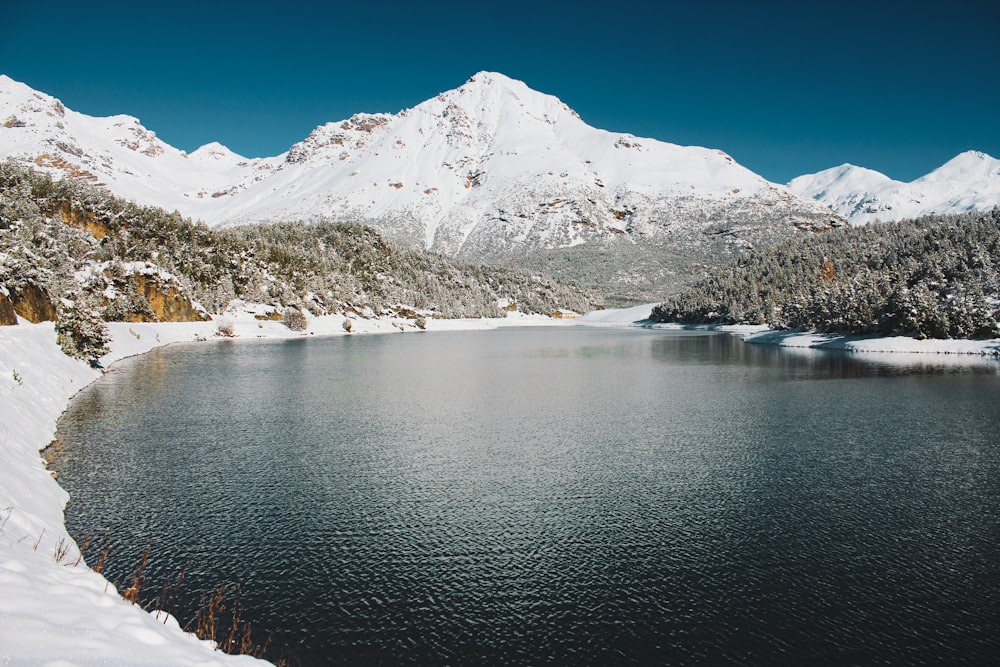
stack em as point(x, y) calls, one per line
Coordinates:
point(540, 497)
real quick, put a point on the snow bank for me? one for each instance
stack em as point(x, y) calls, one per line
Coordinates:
point(616, 317)
point(760, 334)
point(871, 344)
point(54, 610)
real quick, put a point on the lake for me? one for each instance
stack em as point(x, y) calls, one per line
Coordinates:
point(556, 496)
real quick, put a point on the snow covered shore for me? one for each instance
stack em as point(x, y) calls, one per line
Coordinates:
point(54, 610)
point(873, 344)
point(762, 335)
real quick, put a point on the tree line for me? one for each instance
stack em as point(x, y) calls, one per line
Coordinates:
point(329, 267)
point(934, 277)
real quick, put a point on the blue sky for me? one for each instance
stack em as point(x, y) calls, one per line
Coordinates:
point(786, 88)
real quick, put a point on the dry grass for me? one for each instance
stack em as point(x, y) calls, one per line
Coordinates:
point(168, 592)
point(62, 549)
point(219, 616)
point(103, 551)
point(131, 593)
point(220, 619)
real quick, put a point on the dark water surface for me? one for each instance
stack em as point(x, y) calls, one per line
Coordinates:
point(557, 496)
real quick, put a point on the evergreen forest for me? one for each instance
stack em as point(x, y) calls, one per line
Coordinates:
point(81, 249)
point(933, 277)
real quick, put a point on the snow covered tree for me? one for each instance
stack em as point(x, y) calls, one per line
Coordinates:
point(294, 319)
point(933, 277)
point(81, 331)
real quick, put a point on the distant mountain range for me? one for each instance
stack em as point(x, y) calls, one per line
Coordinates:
point(968, 182)
point(491, 172)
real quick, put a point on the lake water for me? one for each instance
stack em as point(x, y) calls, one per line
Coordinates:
point(557, 496)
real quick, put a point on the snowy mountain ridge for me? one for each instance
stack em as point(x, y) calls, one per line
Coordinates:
point(116, 151)
point(490, 171)
point(968, 182)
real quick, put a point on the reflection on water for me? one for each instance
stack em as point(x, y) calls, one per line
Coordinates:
point(559, 496)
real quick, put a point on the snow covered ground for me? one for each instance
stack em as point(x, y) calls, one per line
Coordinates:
point(615, 317)
point(56, 611)
point(761, 335)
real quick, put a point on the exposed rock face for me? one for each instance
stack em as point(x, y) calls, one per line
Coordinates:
point(167, 302)
point(7, 314)
point(33, 303)
point(84, 220)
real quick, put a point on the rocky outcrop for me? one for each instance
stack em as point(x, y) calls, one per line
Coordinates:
point(33, 303)
point(7, 314)
point(84, 220)
point(167, 302)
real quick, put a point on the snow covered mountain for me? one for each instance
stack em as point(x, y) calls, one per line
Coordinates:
point(118, 152)
point(491, 171)
point(968, 182)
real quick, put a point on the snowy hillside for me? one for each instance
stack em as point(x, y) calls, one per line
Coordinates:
point(968, 182)
point(490, 171)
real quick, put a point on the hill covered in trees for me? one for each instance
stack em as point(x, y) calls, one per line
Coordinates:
point(933, 277)
point(72, 252)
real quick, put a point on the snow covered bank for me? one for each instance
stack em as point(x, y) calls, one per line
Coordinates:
point(863, 344)
point(762, 335)
point(53, 609)
point(616, 317)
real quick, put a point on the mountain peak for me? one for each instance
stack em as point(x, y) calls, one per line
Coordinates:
point(969, 165)
point(493, 97)
point(215, 151)
point(485, 84)
point(491, 170)
point(487, 78)
point(968, 181)
point(837, 182)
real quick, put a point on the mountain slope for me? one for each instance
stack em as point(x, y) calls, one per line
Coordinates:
point(968, 182)
point(491, 171)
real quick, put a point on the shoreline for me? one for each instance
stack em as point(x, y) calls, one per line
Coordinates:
point(55, 608)
point(889, 345)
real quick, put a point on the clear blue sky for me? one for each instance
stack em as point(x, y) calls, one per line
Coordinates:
point(785, 87)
